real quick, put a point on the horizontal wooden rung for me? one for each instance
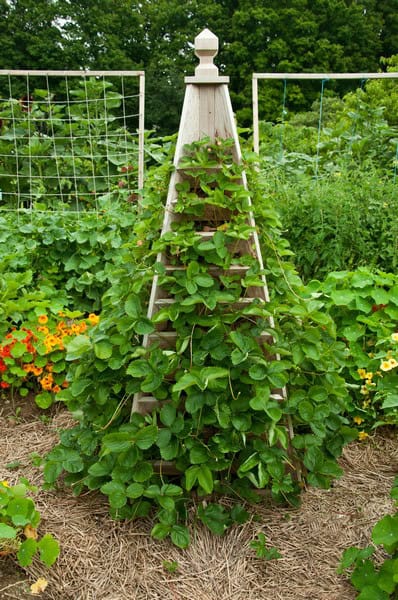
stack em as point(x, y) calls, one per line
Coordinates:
point(144, 404)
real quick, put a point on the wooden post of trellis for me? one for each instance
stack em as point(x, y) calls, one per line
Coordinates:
point(207, 112)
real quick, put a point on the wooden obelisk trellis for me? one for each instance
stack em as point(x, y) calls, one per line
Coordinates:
point(207, 112)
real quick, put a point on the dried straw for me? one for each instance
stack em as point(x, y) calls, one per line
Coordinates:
point(106, 560)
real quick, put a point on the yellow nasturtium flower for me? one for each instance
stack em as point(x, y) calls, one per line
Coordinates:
point(93, 318)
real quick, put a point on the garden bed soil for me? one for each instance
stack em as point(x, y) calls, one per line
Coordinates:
point(106, 560)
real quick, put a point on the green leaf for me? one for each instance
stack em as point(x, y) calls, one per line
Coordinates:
point(160, 531)
point(7, 532)
point(18, 350)
point(117, 442)
point(342, 297)
point(261, 400)
point(49, 549)
point(142, 472)
point(214, 517)
point(135, 490)
point(198, 454)
point(144, 326)
point(258, 372)
point(385, 532)
point(77, 347)
point(274, 412)
point(180, 536)
point(373, 592)
point(191, 476)
point(44, 400)
point(205, 479)
point(116, 493)
point(132, 306)
point(168, 414)
point(138, 368)
point(146, 437)
point(103, 350)
point(26, 552)
point(306, 410)
point(187, 380)
point(391, 401)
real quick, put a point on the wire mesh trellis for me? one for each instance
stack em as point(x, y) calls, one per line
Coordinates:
point(70, 138)
point(323, 78)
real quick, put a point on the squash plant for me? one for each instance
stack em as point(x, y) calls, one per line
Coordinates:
point(216, 420)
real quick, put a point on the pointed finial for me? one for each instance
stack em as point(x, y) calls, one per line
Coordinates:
point(206, 48)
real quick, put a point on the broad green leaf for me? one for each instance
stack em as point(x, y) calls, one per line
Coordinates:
point(160, 531)
point(385, 532)
point(132, 306)
point(18, 350)
point(44, 400)
point(117, 442)
point(258, 372)
point(168, 414)
point(342, 297)
point(144, 326)
point(146, 437)
point(49, 549)
point(7, 532)
point(214, 517)
point(77, 347)
point(180, 536)
point(306, 410)
point(116, 493)
point(26, 552)
point(205, 479)
point(391, 401)
point(103, 350)
point(142, 472)
point(135, 490)
point(191, 476)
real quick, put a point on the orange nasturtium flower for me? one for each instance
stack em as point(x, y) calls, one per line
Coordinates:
point(43, 319)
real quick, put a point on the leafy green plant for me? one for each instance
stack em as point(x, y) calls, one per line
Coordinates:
point(262, 551)
point(376, 581)
point(32, 356)
point(364, 306)
point(218, 420)
point(19, 520)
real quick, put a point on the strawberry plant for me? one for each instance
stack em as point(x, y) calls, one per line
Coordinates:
point(217, 420)
point(19, 520)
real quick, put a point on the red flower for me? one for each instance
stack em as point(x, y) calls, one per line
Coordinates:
point(6, 351)
point(4, 385)
point(3, 366)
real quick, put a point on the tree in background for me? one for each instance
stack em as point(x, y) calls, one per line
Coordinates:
point(157, 36)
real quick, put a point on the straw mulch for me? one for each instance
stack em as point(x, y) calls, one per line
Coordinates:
point(106, 560)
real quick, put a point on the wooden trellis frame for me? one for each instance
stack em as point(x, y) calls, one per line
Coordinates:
point(207, 112)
